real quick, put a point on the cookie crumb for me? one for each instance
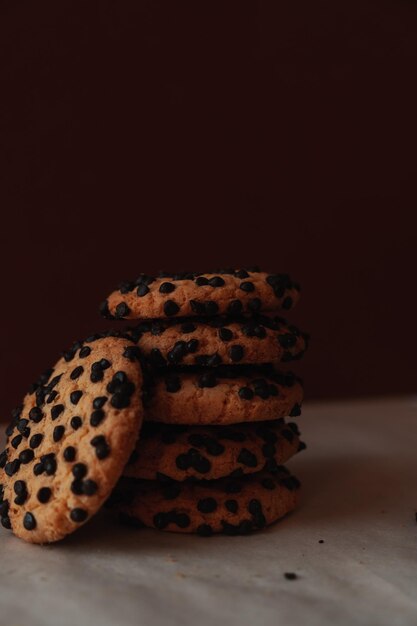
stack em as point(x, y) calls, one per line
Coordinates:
point(321, 540)
point(290, 576)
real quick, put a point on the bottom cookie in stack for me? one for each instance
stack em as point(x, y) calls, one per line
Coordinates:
point(233, 506)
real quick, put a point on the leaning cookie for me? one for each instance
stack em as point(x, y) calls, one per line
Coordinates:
point(230, 292)
point(212, 341)
point(70, 440)
point(165, 452)
point(212, 396)
point(231, 506)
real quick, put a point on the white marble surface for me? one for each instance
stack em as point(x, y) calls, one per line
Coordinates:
point(360, 496)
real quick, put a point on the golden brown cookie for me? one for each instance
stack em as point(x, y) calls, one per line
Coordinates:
point(224, 395)
point(232, 506)
point(170, 452)
point(230, 292)
point(70, 440)
point(213, 341)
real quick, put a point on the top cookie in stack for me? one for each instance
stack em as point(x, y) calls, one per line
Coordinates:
point(213, 341)
point(230, 292)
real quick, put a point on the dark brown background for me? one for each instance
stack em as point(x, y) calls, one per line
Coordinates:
point(147, 135)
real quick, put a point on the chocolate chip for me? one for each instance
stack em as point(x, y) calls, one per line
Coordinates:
point(204, 530)
point(235, 307)
point(207, 505)
point(44, 494)
point(122, 310)
point(161, 520)
point(236, 353)
point(192, 346)
point(225, 334)
point(29, 521)
point(16, 441)
point(101, 446)
point(211, 307)
point(84, 352)
point(232, 506)
point(49, 464)
point(35, 414)
point(245, 393)
point(246, 457)
point(99, 402)
point(247, 286)
point(89, 487)
point(19, 487)
point(76, 372)
point(78, 515)
point(69, 454)
point(26, 456)
point(142, 290)
point(295, 411)
point(79, 470)
point(177, 353)
point(38, 469)
point(171, 308)
point(167, 288)
point(76, 422)
point(97, 417)
point(75, 396)
point(58, 433)
point(182, 462)
point(241, 274)
point(216, 281)
point(201, 281)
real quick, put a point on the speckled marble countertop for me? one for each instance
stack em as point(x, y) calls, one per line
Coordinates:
point(359, 478)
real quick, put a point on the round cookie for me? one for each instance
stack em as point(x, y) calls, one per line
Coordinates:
point(70, 440)
point(213, 341)
point(230, 292)
point(232, 506)
point(165, 452)
point(223, 396)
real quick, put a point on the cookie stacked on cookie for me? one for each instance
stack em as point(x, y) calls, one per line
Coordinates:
point(210, 454)
point(178, 422)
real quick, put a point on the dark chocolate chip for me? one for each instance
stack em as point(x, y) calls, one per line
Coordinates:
point(44, 494)
point(122, 310)
point(79, 470)
point(78, 515)
point(245, 393)
point(29, 521)
point(166, 288)
point(172, 384)
point(207, 380)
point(76, 372)
point(142, 290)
point(35, 414)
point(201, 281)
point(75, 396)
point(207, 505)
point(247, 286)
point(58, 433)
point(26, 456)
point(236, 353)
point(99, 402)
point(216, 281)
point(76, 422)
point(204, 530)
point(171, 308)
point(69, 454)
point(16, 441)
point(247, 458)
point(232, 506)
point(97, 416)
point(225, 334)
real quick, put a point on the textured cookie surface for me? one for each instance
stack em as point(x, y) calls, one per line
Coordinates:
point(165, 452)
point(213, 341)
point(70, 440)
point(230, 292)
point(231, 506)
point(223, 396)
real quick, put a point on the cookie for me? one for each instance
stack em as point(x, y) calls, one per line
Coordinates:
point(232, 506)
point(230, 292)
point(213, 341)
point(165, 452)
point(70, 440)
point(223, 396)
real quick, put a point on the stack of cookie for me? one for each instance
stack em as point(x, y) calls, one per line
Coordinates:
point(210, 454)
point(197, 447)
